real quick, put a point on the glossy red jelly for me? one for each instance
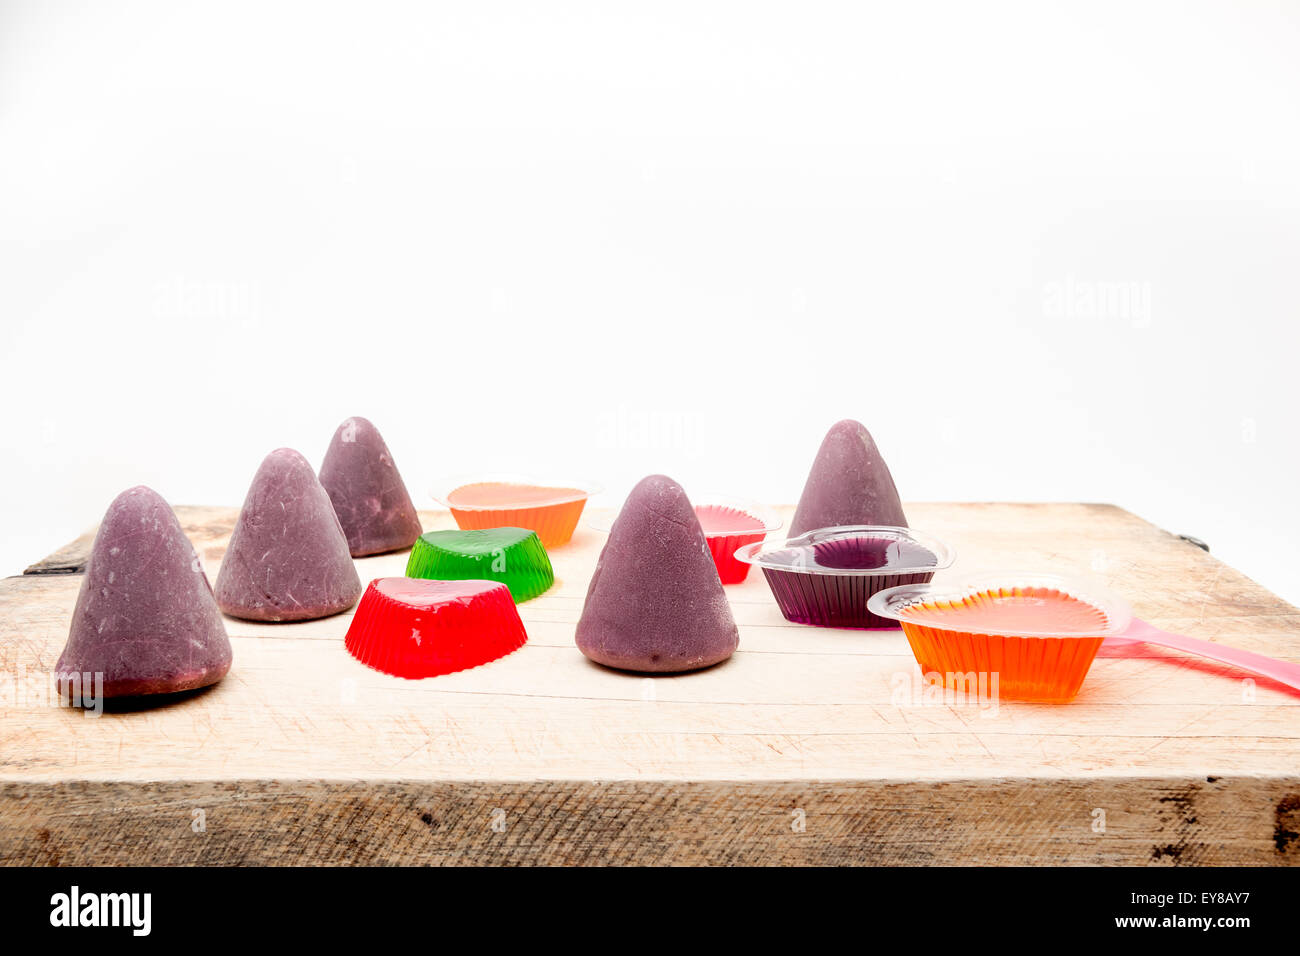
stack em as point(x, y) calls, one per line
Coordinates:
point(727, 528)
point(411, 627)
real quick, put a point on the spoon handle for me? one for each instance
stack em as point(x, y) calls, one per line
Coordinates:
point(1280, 671)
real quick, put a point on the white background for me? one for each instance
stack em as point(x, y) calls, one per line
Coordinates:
point(1043, 254)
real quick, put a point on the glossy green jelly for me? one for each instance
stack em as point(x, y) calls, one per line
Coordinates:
point(513, 556)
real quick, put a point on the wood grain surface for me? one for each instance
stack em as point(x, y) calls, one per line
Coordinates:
point(809, 746)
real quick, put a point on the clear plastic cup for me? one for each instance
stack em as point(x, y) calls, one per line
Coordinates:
point(826, 577)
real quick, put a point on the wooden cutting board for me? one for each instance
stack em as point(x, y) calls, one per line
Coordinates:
point(809, 746)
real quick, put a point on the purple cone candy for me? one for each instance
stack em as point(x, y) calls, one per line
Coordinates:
point(849, 484)
point(145, 619)
point(369, 496)
point(288, 559)
point(655, 602)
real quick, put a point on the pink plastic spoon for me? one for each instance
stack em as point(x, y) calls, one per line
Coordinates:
point(1140, 632)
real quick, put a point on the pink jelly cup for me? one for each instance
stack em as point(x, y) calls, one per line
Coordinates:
point(728, 524)
point(826, 577)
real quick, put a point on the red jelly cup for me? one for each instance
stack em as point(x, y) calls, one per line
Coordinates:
point(729, 524)
point(826, 577)
point(413, 627)
point(511, 501)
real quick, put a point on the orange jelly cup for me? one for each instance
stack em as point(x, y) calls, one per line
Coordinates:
point(1029, 637)
point(550, 510)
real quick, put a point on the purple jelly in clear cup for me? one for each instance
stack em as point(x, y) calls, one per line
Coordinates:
point(825, 577)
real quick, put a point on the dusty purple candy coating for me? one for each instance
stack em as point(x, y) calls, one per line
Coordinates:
point(288, 559)
point(145, 618)
point(849, 484)
point(655, 601)
point(369, 496)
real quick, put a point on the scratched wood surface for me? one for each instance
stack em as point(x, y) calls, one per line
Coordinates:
point(808, 746)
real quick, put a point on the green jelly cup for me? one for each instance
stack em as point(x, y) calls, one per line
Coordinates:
point(513, 556)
